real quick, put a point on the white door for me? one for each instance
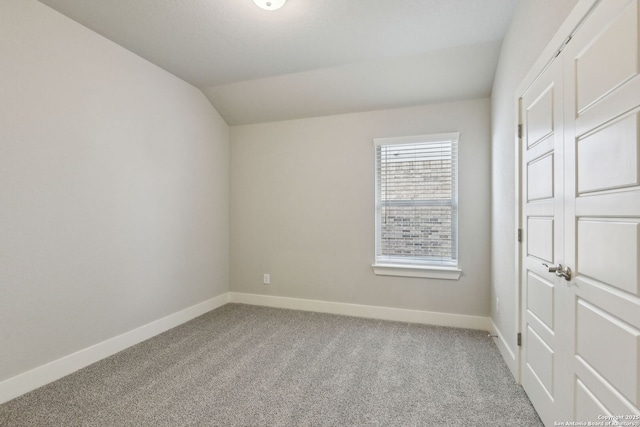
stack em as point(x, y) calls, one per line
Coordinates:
point(581, 209)
point(602, 214)
point(543, 222)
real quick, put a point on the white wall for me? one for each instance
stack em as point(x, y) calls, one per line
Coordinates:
point(534, 24)
point(302, 208)
point(113, 190)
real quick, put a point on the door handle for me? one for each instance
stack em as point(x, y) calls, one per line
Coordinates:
point(559, 270)
point(553, 268)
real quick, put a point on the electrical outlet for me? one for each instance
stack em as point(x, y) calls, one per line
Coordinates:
point(266, 279)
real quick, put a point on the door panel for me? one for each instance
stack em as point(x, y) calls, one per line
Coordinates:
point(602, 244)
point(608, 158)
point(540, 178)
point(540, 117)
point(541, 299)
point(540, 238)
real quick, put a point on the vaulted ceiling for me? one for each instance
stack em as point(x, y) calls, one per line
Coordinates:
point(312, 57)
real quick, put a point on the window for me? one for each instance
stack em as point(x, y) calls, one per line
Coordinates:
point(417, 206)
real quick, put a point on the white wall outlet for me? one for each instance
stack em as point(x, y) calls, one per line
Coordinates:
point(266, 279)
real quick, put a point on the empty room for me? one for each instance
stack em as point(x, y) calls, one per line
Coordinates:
point(319, 213)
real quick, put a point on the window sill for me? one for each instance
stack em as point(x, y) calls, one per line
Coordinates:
point(429, 272)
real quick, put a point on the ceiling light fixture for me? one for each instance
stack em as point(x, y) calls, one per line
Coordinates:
point(270, 4)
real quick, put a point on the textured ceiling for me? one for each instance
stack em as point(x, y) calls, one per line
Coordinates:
point(312, 57)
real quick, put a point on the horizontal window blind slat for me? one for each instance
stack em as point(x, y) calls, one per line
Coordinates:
point(425, 202)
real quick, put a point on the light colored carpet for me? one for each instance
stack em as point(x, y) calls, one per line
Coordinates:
point(244, 365)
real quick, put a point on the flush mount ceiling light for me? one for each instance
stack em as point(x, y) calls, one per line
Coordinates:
point(270, 4)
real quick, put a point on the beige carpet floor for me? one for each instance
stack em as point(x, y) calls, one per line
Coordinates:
point(244, 365)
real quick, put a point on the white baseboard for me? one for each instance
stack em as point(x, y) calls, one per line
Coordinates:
point(507, 353)
point(30, 380)
point(369, 311)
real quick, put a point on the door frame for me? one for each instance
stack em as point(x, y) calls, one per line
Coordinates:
point(558, 42)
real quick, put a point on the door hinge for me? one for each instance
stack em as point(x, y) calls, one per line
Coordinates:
point(520, 131)
point(561, 48)
point(520, 235)
point(519, 339)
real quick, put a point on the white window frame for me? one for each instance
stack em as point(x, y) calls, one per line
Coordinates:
point(390, 266)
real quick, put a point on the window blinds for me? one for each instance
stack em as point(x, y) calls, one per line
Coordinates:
point(416, 200)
